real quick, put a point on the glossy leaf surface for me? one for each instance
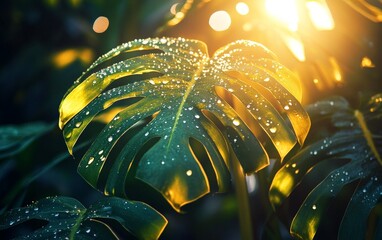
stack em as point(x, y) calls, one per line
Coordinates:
point(69, 219)
point(240, 99)
point(358, 141)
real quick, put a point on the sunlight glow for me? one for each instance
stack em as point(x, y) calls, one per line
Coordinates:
point(242, 8)
point(101, 24)
point(296, 47)
point(220, 21)
point(285, 11)
point(337, 73)
point(281, 187)
point(320, 15)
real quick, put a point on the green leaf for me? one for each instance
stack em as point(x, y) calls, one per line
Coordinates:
point(239, 99)
point(69, 219)
point(358, 140)
point(14, 139)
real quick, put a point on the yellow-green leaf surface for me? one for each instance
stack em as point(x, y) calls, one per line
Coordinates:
point(357, 141)
point(240, 99)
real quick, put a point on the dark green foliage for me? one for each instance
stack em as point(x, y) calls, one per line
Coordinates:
point(14, 139)
point(69, 219)
point(363, 166)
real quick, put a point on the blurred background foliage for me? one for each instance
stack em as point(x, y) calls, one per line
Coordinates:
point(47, 44)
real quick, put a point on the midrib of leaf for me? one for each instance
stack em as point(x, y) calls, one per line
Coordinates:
point(77, 224)
point(190, 86)
point(367, 134)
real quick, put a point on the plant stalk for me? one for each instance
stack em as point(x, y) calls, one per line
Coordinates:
point(242, 197)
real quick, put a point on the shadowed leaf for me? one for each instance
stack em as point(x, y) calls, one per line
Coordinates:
point(14, 139)
point(357, 140)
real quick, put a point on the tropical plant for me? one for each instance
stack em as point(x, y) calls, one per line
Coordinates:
point(159, 125)
point(240, 88)
point(358, 161)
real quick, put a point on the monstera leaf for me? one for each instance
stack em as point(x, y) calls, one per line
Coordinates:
point(239, 100)
point(357, 141)
point(69, 219)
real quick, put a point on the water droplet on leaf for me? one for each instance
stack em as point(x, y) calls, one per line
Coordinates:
point(91, 159)
point(236, 122)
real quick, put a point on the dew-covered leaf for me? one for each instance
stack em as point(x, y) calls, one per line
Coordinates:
point(240, 100)
point(357, 141)
point(68, 219)
point(14, 138)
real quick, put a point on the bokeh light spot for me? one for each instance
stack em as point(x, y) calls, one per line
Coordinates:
point(247, 27)
point(101, 24)
point(66, 57)
point(173, 8)
point(367, 63)
point(242, 8)
point(320, 15)
point(220, 21)
point(296, 47)
point(284, 11)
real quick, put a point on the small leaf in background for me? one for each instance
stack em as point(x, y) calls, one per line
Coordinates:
point(14, 139)
point(358, 141)
point(68, 219)
point(191, 111)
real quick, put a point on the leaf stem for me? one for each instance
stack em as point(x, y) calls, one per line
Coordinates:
point(367, 134)
point(77, 225)
point(242, 199)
